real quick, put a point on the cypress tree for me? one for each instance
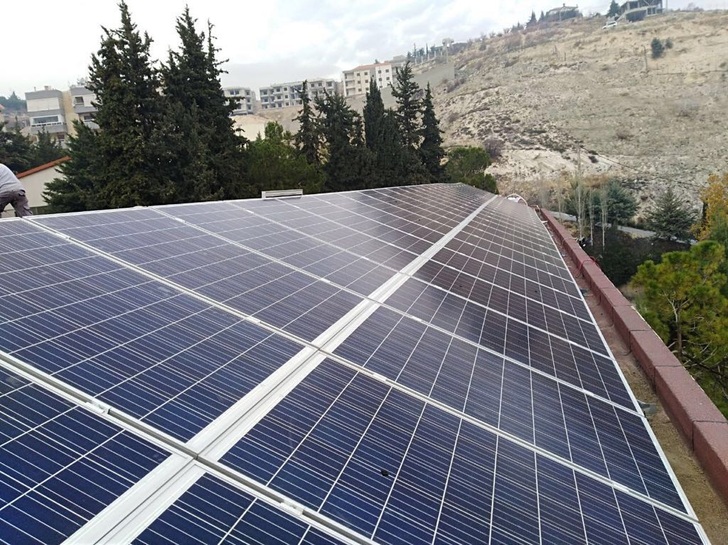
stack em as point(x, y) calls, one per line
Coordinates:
point(15, 149)
point(407, 94)
point(129, 111)
point(307, 137)
point(208, 160)
point(431, 152)
point(348, 165)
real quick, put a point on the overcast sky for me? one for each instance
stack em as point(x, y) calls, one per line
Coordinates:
point(50, 42)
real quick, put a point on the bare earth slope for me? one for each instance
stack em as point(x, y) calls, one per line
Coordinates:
point(573, 93)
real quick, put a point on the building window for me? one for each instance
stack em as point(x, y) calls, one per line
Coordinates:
point(45, 120)
point(78, 101)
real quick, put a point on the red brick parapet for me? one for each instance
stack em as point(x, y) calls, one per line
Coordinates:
point(696, 417)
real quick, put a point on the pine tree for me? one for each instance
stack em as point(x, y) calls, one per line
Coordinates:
point(431, 152)
point(670, 217)
point(407, 94)
point(373, 117)
point(307, 137)
point(532, 20)
point(129, 110)
point(213, 163)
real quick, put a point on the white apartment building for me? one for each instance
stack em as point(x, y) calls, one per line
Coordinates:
point(244, 99)
point(47, 112)
point(82, 100)
point(356, 80)
point(284, 95)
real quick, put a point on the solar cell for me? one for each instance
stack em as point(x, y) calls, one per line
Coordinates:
point(402, 365)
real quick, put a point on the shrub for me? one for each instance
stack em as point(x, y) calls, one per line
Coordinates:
point(658, 49)
point(494, 147)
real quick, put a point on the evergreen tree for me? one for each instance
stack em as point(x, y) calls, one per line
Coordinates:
point(532, 20)
point(407, 94)
point(210, 163)
point(15, 149)
point(431, 152)
point(542, 17)
point(129, 111)
point(373, 117)
point(79, 188)
point(621, 204)
point(347, 165)
point(670, 217)
point(613, 9)
point(307, 138)
point(46, 149)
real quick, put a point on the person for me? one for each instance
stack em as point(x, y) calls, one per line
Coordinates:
point(12, 192)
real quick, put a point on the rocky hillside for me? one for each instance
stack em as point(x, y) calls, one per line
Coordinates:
point(574, 95)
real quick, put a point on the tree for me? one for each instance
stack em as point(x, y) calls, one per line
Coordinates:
point(46, 149)
point(129, 111)
point(13, 103)
point(681, 299)
point(613, 9)
point(532, 20)
point(79, 187)
point(307, 137)
point(658, 49)
point(670, 217)
point(621, 205)
point(714, 224)
point(275, 163)
point(210, 164)
point(347, 166)
point(431, 152)
point(15, 149)
point(407, 95)
point(467, 165)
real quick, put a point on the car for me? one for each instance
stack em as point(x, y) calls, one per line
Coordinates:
point(610, 24)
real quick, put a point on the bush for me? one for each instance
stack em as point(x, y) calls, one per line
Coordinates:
point(494, 147)
point(658, 49)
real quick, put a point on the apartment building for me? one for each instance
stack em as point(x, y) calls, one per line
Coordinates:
point(47, 112)
point(356, 80)
point(284, 95)
point(82, 100)
point(244, 99)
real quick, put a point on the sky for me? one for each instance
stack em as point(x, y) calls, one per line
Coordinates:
point(50, 42)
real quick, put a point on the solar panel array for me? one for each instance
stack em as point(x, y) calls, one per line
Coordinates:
point(402, 365)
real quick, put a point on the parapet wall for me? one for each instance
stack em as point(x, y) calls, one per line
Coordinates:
point(699, 421)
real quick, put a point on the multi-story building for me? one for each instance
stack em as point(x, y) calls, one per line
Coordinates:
point(283, 95)
point(244, 99)
point(82, 100)
point(47, 112)
point(356, 80)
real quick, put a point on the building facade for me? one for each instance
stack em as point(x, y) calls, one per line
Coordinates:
point(47, 112)
point(82, 100)
point(244, 99)
point(356, 80)
point(285, 95)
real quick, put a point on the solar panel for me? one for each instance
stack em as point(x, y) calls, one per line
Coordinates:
point(402, 365)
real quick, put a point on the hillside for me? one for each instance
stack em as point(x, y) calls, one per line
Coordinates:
point(574, 93)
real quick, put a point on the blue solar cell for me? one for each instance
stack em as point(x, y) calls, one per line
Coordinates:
point(60, 465)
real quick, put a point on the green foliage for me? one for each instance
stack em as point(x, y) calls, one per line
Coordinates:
point(621, 204)
point(207, 165)
point(613, 9)
point(307, 137)
point(682, 300)
point(46, 149)
point(78, 189)
point(431, 152)
point(467, 165)
point(13, 103)
point(670, 217)
point(533, 19)
point(348, 163)
point(275, 163)
point(407, 95)
point(15, 150)
point(658, 49)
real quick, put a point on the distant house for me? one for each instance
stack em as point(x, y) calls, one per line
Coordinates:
point(636, 10)
point(563, 13)
point(34, 181)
